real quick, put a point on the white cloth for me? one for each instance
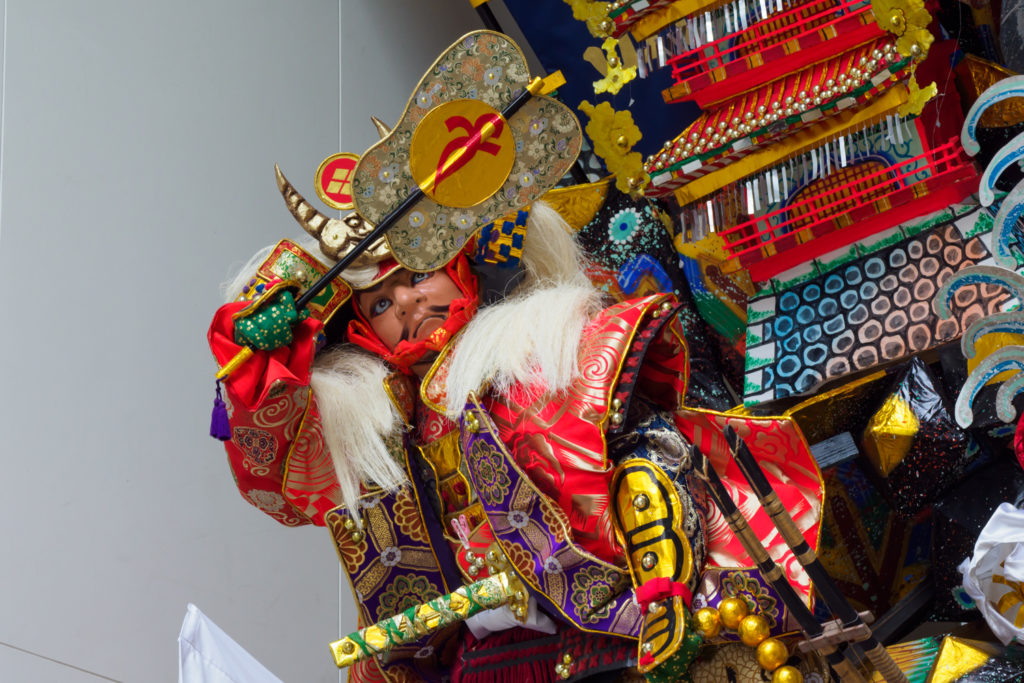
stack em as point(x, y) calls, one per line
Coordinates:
point(500, 619)
point(999, 552)
point(208, 655)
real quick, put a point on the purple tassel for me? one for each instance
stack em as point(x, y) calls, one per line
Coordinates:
point(220, 425)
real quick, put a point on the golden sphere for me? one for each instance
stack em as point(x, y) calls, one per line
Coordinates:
point(709, 622)
point(771, 654)
point(733, 610)
point(753, 629)
point(613, 62)
point(787, 674)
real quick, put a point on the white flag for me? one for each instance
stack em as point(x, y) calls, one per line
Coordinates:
point(208, 655)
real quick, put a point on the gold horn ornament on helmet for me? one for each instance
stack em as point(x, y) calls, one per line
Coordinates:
point(337, 236)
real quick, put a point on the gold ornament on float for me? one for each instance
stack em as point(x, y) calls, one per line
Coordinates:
point(708, 622)
point(787, 674)
point(733, 610)
point(771, 654)
point(753, 629)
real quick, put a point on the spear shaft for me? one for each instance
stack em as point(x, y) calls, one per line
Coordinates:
point(429, 617)
point(844, 669)
point(823, 583)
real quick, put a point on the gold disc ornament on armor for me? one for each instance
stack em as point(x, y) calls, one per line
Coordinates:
point(461, 153)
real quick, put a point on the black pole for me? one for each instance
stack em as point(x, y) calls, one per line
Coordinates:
point(487, 17)
point(770, 571)
point(823, 583)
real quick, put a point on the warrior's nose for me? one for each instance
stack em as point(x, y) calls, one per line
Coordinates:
point(405, 298)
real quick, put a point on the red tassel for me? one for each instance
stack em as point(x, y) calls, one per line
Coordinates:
point(220, 425)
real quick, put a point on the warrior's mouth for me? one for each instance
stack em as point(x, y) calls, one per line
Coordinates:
point(420, 324)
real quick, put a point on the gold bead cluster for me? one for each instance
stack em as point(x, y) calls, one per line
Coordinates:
point(474, 563)
point(564, 668)
point(616, 416)
point(742, 124)
point(754, 631)
point(493, 560)
point(355, 534)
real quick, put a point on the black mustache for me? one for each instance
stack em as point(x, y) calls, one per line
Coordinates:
point(441, 308)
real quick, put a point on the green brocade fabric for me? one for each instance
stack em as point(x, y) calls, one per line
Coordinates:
point(676, 669)
point(270, 326)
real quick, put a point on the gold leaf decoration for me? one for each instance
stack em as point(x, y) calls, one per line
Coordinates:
point(908, 20)
point(613, 135)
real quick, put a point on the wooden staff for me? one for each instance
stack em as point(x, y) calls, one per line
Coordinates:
point(842, 667)
point(823, 583)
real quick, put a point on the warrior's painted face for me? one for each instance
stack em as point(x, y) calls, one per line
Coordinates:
point(407, 306)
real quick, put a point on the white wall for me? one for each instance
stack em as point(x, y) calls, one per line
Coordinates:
point(138, 143)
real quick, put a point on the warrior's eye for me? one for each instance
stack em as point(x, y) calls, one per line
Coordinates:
point(419, 277)
point(379, 306)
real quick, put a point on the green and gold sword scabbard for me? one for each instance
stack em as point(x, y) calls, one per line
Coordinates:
point(412, 624)
point(823, 583)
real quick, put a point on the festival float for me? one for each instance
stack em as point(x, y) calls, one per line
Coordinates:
point(574, 405)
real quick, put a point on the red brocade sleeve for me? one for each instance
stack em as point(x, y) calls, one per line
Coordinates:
point(275, 452)
point(253, 380)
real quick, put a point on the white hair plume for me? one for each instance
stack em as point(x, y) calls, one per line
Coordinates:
point(528, 338)
point(551, 254)
point(358, 420)
point(535, 334)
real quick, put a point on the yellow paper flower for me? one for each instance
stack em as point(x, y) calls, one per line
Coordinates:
point(613, 134)
point(918, 98)
point(616, 74)
point(594, 14)
point(908, 20)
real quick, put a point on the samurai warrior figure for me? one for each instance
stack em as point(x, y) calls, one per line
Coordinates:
point(492, 414)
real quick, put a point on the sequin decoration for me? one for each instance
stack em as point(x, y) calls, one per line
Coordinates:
point(870, 310)
point(916, 466)
point(632, 255)
point(875, 557)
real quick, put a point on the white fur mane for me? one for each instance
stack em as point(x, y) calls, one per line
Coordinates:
point(530, 338)
point(357, 419)
point(534, 335)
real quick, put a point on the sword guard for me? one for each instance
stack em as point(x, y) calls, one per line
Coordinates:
point(836, 634)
